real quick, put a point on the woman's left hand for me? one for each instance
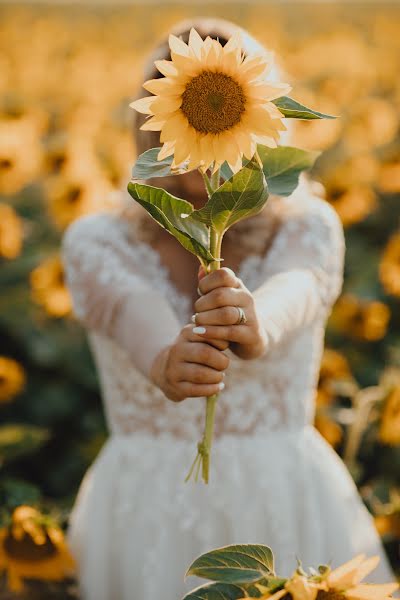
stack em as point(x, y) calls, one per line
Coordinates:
point(216, 313)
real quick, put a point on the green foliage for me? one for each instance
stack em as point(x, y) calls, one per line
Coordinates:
point(292, 109)
point(283, 165)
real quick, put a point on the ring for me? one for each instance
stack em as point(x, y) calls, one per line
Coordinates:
point(242, 319)
point(194, 318)
point(200, 293)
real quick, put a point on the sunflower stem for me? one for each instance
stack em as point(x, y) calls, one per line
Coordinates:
point(207, 182)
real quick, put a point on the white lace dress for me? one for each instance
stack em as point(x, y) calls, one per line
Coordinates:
point(136, 526)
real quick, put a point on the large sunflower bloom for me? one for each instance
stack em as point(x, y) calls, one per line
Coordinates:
point(212, 105)
point(30, 549)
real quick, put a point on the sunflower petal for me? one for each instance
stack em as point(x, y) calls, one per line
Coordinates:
point(143, 105)
point(195, 43)
point(153, 124)
point(166, 68)
point(165, 104)
point(163, 86)
point(166, 150)
point(371, 592)
point(178, 46)
point(344, 576)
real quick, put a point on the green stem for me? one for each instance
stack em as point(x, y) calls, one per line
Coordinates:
point(207, 182)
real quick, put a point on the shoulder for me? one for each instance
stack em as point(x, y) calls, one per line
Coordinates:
point(88, 227)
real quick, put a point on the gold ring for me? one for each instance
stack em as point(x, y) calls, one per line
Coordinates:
point(242, 319)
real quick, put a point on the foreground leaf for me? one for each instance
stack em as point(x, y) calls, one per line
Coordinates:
point(235, 564)
point(292, 109)
point(283, 165)
point(174, 214)
point(147, 166)
point(216, 591)
point(241, 196)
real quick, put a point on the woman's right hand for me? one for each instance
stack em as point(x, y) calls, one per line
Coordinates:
point(190, 367)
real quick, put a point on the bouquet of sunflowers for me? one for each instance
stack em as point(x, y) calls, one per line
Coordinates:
point(218, 113)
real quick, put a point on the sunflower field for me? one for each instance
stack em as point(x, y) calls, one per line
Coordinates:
point(67, 76)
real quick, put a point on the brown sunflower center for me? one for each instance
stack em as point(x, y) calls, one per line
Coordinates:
point(213, 102)
point(26, 548)
point(330, 595)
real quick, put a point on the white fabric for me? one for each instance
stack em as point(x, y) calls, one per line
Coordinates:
point(136, 525)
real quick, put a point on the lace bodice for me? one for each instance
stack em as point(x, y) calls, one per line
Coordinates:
point(123, 295)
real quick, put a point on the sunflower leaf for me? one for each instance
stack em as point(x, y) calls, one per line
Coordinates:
point(241, 196)
point(175, 215)
point(148, 166)
point(216, 591)
point(283, 165)
point(235, 564)
point(292, 109)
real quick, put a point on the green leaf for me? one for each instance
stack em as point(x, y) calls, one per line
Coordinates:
point(235, 564)
point(292, 109)
point(148, 166)
point(216, 591)
point(241, 196)
point(283, 165)
point(175, 215)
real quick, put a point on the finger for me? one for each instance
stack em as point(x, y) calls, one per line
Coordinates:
point(226, 315)
point(195, 373)
point(195, 390)
point(223, 277)
point(204, 354)
point(222, 296)
point(232, 333)
point(193, 337)
point(201, 272)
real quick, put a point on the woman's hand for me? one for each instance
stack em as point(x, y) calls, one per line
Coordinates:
point(216, 313)
point(190, 367)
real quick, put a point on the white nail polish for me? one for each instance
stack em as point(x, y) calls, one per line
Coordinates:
point(221, 385)
point(199, 329)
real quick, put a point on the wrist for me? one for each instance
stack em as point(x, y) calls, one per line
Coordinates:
point(157, 370)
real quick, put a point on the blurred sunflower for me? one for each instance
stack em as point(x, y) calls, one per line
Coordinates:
point(389, 268)
point(12, 378)
point(334, 367)
point(20, 155)
point(353, 202)
point(212, 105)
point(32, 548)
point(389, 429)
point(49, 289)
point(10, 232)
point(389, 178)
point(359, 319)
point(373, 122)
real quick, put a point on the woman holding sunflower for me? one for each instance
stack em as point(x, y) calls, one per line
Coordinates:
point(165, 335)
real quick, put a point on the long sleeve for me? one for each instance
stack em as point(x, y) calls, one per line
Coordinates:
point(110, 294)
point(304, 269)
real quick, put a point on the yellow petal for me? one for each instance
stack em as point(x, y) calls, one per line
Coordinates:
point(301, 589)
point(153, 124)
point(143, 105)
point(166, 67)
point(268, 91)
point(165, 104)
point(343, 577)
point(166, 150)
point(195, 43)
point(367, 567)
point(175, 127)
point(371, 591)
point(234, 43)
point(178, 46)
point(164, 86)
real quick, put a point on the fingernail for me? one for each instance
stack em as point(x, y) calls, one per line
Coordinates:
point(221, 385)
point(199, 330)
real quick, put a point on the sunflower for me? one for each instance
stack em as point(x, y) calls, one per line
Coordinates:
point(31, 548)
point(360, 319)
point(212, 105)
point(389, 269)
point(10, 232)
point(49, 289)
point(389, 430)
point(342, 583)
point(12, 378)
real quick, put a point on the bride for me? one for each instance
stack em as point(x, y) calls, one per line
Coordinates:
point(136, 526)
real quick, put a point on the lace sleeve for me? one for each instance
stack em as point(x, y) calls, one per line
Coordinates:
point(109, 293)
point(303, 273)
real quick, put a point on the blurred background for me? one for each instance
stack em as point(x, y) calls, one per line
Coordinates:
point(67, 75)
